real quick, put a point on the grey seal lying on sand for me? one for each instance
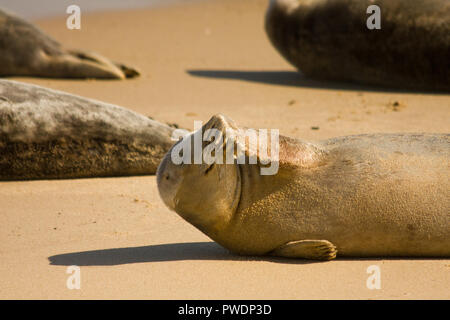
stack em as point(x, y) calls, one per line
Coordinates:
point(361, 196)
point(50, 134)
point(27, 51)
point(329, 40)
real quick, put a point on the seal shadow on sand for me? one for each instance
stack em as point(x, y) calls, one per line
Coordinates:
point(297, 79)
point(177, 252)
point(159, 253)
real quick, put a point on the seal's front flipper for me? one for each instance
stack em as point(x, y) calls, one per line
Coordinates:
point(96, 66)
point(307, 249)
point(74, 66)
point(127, 71)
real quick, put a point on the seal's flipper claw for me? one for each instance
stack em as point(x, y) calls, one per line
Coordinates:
point(307, 249)
point(128, 71)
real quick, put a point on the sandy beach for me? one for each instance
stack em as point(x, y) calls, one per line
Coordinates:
point(197, 59)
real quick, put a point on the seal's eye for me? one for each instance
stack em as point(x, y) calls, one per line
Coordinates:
point(209, 168)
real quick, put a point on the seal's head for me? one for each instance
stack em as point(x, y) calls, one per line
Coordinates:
point(204, 194)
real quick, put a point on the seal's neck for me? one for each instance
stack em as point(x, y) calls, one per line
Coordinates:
point(296, 153)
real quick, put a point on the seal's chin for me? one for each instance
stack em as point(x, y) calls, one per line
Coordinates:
point(168, 199)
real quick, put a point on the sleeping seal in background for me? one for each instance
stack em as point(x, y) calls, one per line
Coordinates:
point(329, 40)
point(27, 51)
point(362, 196)
point(46, 134)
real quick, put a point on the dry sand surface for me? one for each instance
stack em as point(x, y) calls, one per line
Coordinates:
point(196, 59)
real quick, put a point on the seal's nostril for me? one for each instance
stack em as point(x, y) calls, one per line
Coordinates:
point(167, 177)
